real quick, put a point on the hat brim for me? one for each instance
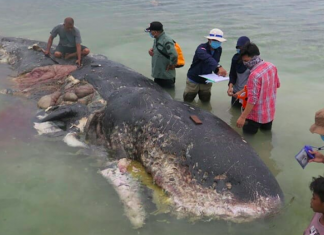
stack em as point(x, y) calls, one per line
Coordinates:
point(147, 30)
point(317, 129)
point(216, 38)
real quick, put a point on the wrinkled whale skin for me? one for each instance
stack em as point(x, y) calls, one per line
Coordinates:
point(208, 170)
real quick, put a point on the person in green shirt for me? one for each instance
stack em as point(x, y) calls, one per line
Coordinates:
point(164, 56)
point(70, 41)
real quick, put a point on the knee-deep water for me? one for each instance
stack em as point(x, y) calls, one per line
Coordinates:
point(49, 188)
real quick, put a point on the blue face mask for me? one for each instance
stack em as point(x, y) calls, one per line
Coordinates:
point(215, 44)
point(238, 51)
point(322, 137)
point(151, 35)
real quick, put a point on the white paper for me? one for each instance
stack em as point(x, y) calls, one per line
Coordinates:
point(214, 77)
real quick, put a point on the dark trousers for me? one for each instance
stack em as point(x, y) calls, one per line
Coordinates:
point(251, 127)
point(236, 103)
point(168, 83)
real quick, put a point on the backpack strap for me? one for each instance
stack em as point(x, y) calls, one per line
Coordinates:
point(161, 52)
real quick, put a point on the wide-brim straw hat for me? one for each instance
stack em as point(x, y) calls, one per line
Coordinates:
point(318, 126)
point(216, 34)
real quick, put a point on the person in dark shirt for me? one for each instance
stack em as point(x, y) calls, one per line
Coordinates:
point(239, 73)
point(70, 41)
point(205, 61)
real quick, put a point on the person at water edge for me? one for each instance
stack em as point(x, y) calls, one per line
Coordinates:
point(164, 56)
point(239, 73)
point(205, 61)
point(318, 128)
point(262, 87)
point(70, 41)
point(316, 226)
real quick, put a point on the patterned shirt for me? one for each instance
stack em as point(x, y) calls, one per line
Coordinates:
point(315, 227)
point(262, 91)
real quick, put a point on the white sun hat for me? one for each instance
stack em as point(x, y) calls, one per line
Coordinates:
point(216, 34)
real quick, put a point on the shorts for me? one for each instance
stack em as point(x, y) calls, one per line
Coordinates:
point(68, 50)
point(192, 89)
point(251, 127)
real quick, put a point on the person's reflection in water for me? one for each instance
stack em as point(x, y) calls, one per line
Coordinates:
point(202, 105)
point(262, 143)
point(235, 112)
point(205, 105)
point(171, 91)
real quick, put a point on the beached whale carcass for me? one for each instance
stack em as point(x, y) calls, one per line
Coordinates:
point(208, 171)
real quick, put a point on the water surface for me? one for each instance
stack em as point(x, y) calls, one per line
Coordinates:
point(50, 188)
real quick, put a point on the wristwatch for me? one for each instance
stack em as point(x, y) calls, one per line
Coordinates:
point(218, 66)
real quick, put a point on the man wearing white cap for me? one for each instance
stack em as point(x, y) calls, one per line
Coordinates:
point(205, 61)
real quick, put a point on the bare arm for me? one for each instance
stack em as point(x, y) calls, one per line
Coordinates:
point(241, 120)
point(49, 44)
point(78, 47)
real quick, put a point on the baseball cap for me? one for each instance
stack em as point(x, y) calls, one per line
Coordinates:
point(154, 26)
point(242, 41)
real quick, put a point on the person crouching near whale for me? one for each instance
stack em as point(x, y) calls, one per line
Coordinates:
point(205, 61)
point(316, 226)
point(262, 87)
point(70, 41)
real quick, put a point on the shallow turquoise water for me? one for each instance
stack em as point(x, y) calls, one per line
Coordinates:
point(49, 188)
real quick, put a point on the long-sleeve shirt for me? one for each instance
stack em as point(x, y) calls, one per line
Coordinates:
point(238, 74)
point(262, 92)
point(160, 62)
point(204, 62)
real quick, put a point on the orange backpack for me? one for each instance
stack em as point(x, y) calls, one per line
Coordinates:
point(181, 60)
